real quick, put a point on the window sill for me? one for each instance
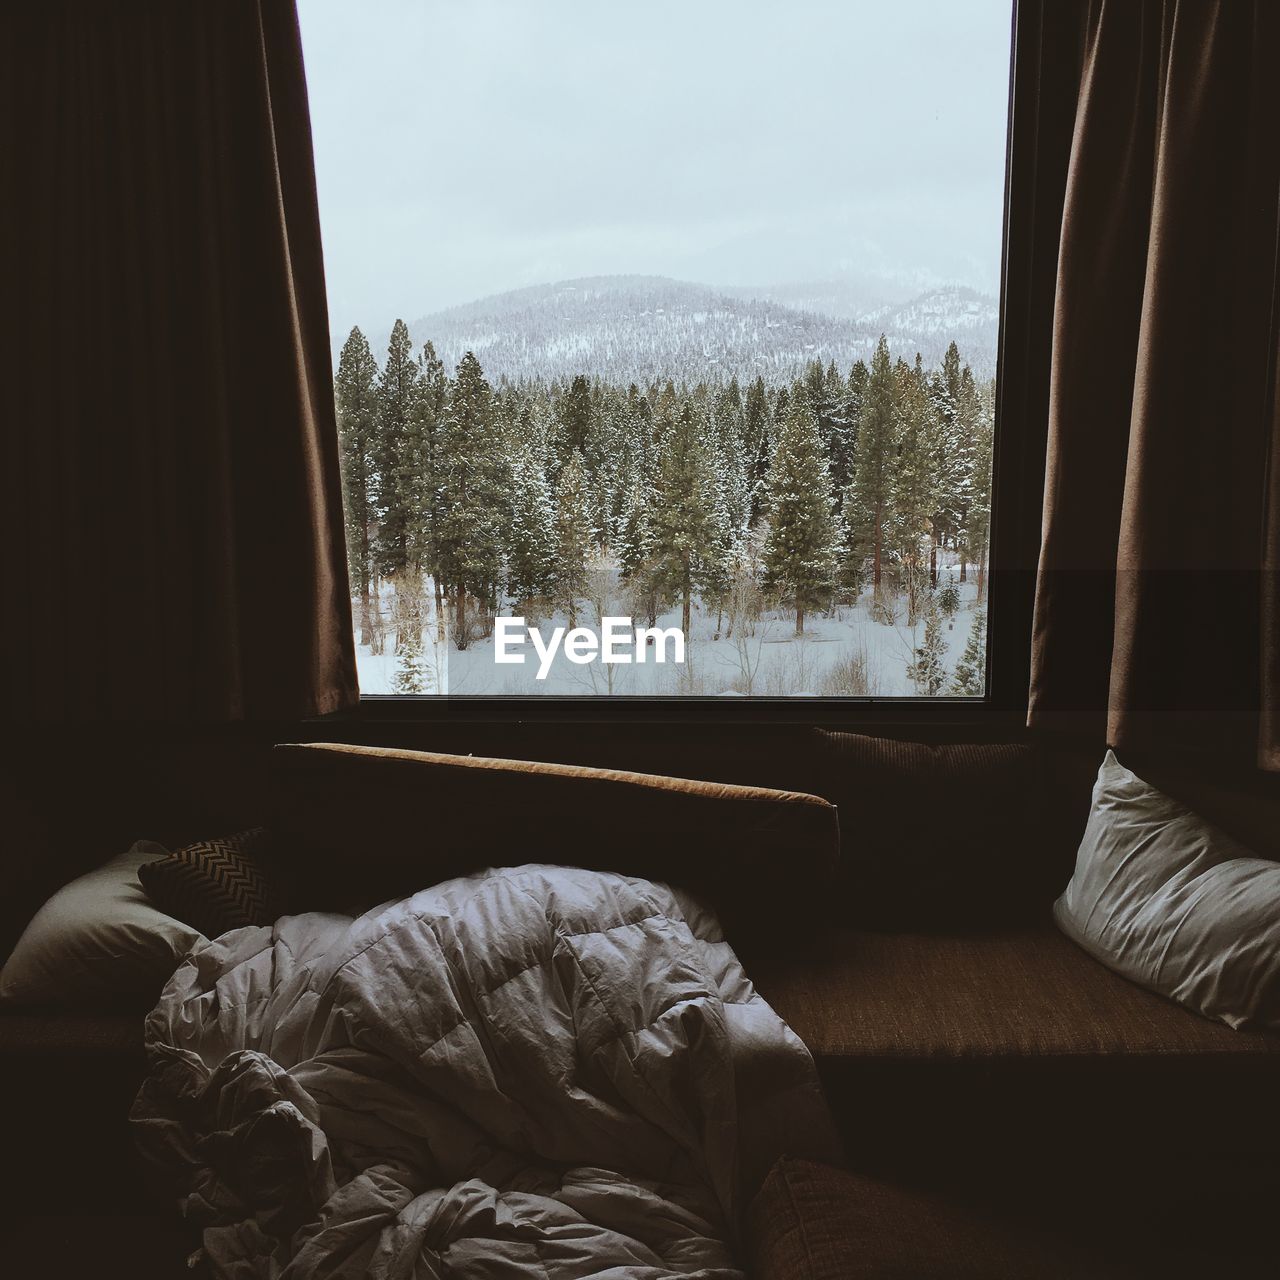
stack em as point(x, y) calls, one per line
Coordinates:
point(864, 713)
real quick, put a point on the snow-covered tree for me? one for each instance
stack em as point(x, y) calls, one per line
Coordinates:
point(757, 442)
point(871, 486)
point(970, 678)
point(801, 554)
point(356, 403)
point(928, 671)
point(473, 495)
point(682, 526)
point(574, 536)
point(914, 487)
point(400, 456)
point(531, 535)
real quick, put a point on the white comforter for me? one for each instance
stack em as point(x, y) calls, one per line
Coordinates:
point(534, 1072)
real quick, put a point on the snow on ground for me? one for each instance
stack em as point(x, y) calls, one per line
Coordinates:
point(766, 658)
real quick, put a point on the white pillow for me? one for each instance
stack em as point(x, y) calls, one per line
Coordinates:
point(1172, 903)
point(98, 941)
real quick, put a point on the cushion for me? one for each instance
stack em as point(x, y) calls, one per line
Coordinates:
point(215, 885)
point(939, 836)
point(1017, 994)
point(1172, 903)
point(99, 941)
point(392, 822)
point(934, 1047)
point(812, 1222)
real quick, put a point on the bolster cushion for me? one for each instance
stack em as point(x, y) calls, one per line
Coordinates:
point(368, 823)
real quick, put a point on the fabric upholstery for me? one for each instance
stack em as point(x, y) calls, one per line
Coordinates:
point(957, 836)
point(1152, 581)
point(963, 1052)
point(177, 495)
point(71, 1036)
point(813, 1222)
point(1024, 993)
point(215, 885)
point(99, 941)
point(370, 823)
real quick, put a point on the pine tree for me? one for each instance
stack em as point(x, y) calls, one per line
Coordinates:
point(914, 481)
point(951, 461)
point(399, 454)
point(432, 405)
point(633, 529)
point(928, 672)
point(473, 495)
point(355, 399)
point(970, 679)
point(409, 675)
point(757, 442)
point(682, 525)
point(801, 555)
point(634, 551)
point(574, 536)
point(978, 418)
point(872, 484)
point(531, 537)
point(573, 414)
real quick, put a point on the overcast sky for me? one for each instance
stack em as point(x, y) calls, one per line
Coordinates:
point(466, 147)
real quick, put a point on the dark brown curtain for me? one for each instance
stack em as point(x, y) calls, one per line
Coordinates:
point(1151, 593)
point(172, 509)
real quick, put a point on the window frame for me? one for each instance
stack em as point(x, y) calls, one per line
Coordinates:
point(1032, 214)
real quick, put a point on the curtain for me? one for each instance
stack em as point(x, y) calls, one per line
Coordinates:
point(1156, 603)
point(172, 505)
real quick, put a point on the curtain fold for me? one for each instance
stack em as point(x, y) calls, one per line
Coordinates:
point(172, 502)
point(1151, 590)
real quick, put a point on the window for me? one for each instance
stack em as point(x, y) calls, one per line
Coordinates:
point(664, 340)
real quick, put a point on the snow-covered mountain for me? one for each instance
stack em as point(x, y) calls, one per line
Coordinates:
point(636, 328)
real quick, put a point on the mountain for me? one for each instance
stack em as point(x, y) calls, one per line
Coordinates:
point(638, 328)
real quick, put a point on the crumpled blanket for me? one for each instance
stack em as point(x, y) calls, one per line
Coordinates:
point(536, 1071)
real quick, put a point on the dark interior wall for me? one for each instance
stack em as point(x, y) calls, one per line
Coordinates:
point(72, 797)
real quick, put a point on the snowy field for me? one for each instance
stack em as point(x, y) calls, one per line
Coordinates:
point(849, 653)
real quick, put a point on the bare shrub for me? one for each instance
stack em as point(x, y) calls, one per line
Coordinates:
point(884, 608)
point(847, 678)
point(793, 674)
point(747, 653)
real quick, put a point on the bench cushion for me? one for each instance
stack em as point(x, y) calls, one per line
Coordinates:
point(1028, 992)
point(972, 1049)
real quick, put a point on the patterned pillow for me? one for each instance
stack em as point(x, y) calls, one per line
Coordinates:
point(215, 885)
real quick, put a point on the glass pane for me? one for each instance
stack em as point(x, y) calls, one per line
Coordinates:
point(664, 339)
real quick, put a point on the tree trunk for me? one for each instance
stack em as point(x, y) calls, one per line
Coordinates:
point(799, 619)
point(933, 559)
point(688, 593)
point(875, 564)
point(366, 600)
point(461, 638)
point(366, 616)
point(964, 566)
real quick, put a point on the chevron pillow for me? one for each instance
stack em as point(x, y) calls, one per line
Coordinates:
point(215, 885)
